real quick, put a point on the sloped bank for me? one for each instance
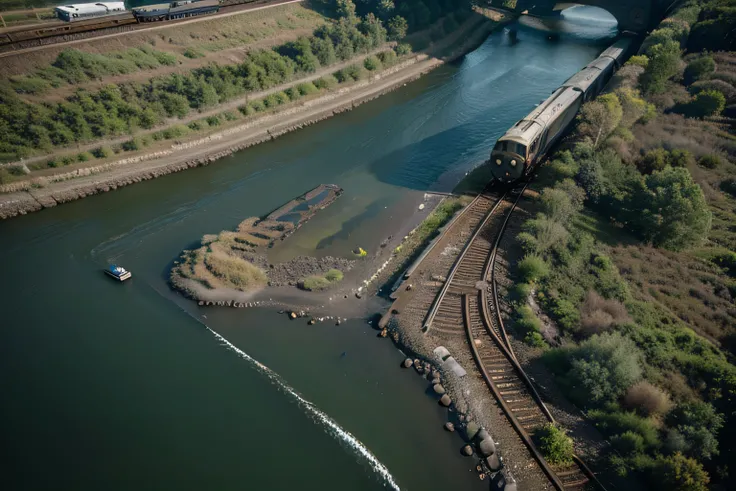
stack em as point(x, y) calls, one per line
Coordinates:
point(93, 180)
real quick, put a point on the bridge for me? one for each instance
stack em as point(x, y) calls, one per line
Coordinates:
point(632, 15)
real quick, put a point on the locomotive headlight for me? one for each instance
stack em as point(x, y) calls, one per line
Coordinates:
point(498, 161)
point(513, 163)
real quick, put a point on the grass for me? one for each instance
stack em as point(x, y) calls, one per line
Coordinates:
point(321, 282)
point(235, 272)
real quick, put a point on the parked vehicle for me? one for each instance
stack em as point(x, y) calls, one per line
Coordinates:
point(80, 11)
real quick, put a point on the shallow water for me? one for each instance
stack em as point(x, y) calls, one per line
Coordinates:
point(109, 386)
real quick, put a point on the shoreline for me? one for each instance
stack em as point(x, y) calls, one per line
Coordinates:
point(93, 180)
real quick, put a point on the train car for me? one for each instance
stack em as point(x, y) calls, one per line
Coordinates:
point(175, 10)
point(80, 11)
point(524, 145)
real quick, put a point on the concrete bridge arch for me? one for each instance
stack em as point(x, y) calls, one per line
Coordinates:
point(632, 15)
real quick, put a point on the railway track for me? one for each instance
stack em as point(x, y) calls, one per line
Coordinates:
point(16, 40)
point(466, 305)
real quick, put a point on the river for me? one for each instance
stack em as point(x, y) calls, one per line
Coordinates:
point(118, 387)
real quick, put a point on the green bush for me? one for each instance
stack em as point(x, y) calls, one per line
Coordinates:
point(729, 186)
point(193, 53)
point(521, 291)
point(197, 125)
point(599, 370)
point(705, 103)
point(527, 320)
point(628, 442)
point(402, 49)
point(133, 145)
point(213, 121)
point(710, 161)
point(664, 62)
point(387, 58)
point(555, 445)
point(679, 473)
point(307, 88)
point(84, 157)
point(103, 152)
point(292, 94)
point(639, 60)
point(532, 268)
point(334, 275)
point(314, 283)
point(229, 116)
point(372, 64)
point(699, 69)
point(681, 158)
point(326, 82)
point(258, 105)
point(246, 110)
point(653, 160)
point(621, 423)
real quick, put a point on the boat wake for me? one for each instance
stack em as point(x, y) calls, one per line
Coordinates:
point(330, 425)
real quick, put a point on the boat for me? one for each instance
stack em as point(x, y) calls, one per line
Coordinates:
point(118, 272)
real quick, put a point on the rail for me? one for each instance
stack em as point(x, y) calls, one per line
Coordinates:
point(502, 343)
point(445, 287)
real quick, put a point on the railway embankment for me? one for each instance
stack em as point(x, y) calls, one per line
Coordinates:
point(31, 195)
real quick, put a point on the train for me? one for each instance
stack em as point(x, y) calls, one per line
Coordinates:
point(164, 11)
point(518, 152)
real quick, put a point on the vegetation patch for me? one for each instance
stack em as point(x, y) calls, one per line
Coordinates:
point(321, 282)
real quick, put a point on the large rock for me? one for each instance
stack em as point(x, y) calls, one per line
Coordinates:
point(472, 430)
point(449, 427)
point(438, 389)
point(467, 450)
point(494, 463)
point(483, 434)
point(445, 400)
point(407, 363)
point(486, 447)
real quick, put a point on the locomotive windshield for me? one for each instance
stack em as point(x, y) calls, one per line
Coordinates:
point(510, 146)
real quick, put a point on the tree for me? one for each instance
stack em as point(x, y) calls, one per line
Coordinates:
point(397, 27)
point(699, 69)
point(386, 8)
point(324, 50)
point(674, 214)
point(346, 9)
point(600, 117)
point(664, 63)
point(373, 29)
point(679, 473)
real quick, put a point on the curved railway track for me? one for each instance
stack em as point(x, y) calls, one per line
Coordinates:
point(13, 41)
point(466, 306)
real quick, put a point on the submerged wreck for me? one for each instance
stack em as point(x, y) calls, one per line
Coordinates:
point(234, 262)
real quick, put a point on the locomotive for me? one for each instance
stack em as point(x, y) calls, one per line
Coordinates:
point(524, 145)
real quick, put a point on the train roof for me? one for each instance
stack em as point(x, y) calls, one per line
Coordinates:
point(588, 75)
point(618, 49)
point(82, 8)
point(525, 130)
